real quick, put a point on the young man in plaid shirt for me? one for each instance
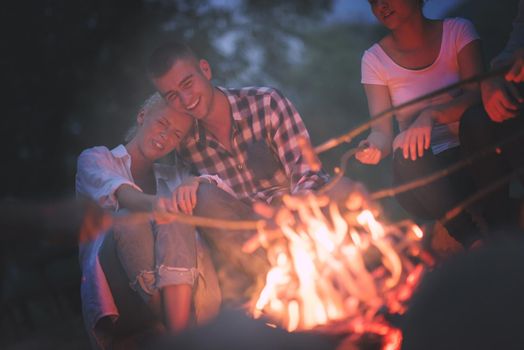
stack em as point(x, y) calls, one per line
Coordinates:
point(248, 137)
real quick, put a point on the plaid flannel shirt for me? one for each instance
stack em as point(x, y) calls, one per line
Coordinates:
point(262, 119)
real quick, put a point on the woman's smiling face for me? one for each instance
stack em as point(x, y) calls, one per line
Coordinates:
point(391, 13)
point(161, 130)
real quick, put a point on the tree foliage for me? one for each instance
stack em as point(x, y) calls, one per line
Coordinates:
point(76, 70)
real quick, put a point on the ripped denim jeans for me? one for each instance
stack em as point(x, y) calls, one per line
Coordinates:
point(154, 256)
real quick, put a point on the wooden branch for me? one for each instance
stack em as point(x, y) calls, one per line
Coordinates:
point(389, 192)
point(192, 220)
point(341, 170)
point(451, 214)
point(349, 136)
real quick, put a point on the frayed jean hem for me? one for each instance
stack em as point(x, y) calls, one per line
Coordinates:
point(144, 284)
point(168, 276)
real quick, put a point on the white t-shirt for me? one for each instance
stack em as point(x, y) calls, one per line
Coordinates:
point(406, 84)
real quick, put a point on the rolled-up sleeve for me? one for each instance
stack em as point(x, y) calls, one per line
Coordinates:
point(99, 176)
point(219, 182)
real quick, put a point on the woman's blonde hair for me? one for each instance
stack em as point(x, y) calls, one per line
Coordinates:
point(152, 104)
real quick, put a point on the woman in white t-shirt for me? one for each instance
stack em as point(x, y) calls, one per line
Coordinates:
point(418, 56)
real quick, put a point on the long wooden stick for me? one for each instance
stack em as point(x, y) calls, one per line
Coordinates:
point(479, 195)
point(389, 192)
point(349, 136)
point(341, 170)
point(192, 220)
point(253, 225)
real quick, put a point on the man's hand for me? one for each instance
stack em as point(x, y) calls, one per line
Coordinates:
point(516, 73)
point(417, 138)
point(501, 99)
point(182, 200)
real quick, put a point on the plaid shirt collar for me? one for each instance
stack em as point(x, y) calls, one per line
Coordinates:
point(198, 132)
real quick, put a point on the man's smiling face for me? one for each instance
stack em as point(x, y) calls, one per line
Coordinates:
point(187, 87)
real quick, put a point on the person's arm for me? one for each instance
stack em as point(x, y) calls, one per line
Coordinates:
point(415, 140)
point(101, 178)
point(516, 72)
point(377, 145)
point(375, 81)
point(185, 195)
point(470, 64)
point(98, 177)
point(515, 41)
point(132, 199)
point(183, 198)
point(286, 129)
point(500, 97)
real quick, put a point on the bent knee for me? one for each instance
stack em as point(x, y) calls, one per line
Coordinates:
point(170, 276)
point(138, 233)
point(212, 201)
point(475, 127)
point(207, 192)
point(405, 169)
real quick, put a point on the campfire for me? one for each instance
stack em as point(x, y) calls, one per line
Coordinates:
point(335, 267)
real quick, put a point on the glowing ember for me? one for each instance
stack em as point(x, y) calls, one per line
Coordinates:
point(336, 265)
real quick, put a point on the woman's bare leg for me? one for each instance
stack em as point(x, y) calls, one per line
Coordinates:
point(177, 306)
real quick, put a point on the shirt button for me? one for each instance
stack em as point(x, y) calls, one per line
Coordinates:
point(240, 166)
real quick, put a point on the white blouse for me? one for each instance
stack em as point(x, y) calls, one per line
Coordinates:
point(100, 172)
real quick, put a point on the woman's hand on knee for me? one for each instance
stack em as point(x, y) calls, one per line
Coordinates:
point(417, 138)
point(185, 195)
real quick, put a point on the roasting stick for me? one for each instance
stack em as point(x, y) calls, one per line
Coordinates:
point(349, 136)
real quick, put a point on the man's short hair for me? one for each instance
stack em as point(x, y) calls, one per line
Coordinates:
point(164, 56)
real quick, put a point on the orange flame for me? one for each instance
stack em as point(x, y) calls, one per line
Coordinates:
point(334, 264)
